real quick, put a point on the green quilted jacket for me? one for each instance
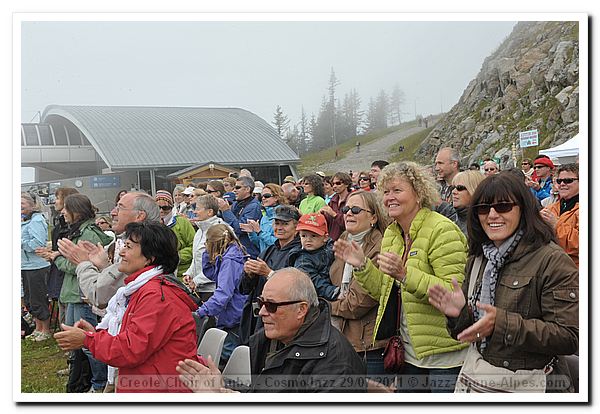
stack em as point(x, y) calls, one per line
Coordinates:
point(438, 253)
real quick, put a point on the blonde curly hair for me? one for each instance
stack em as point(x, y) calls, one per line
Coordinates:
point(418, 177)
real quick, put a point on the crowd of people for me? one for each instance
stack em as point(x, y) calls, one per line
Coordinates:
point(318, 276)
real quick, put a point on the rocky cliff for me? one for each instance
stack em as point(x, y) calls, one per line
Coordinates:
point(530, 82)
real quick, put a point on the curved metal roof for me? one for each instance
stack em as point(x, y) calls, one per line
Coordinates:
point(136, 136)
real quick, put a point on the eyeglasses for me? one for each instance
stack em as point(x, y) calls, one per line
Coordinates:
point(271, 307)
point(267, 195)
point(460, 187)
point(166, 208)
point(355, 210)
point(211, 191)
point(503, 207)
point(489, 169)
point(364, 179)
point(239, 187)
point(537, 167)
point(525, 163)
point(101, 222)
point(566, 180)
point(336, 183)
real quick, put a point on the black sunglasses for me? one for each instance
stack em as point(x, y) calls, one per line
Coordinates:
point(489, 169)
point(355, 210)
point(239, 187)
point(166, 208)
point(566, 180)
point(537, 167)
point(212, 191)
point(336, 183)
point(267, 195)
point(503, 207)
point(460, 187)
point(525, 163)
point(364, 179)
point(271, 307)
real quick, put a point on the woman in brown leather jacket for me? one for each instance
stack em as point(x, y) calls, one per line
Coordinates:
point(355, 311)
point(524, 307)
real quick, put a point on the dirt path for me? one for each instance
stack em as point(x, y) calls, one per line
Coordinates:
point(376, 150)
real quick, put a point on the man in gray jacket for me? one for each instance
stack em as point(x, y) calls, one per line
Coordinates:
point(98, 278)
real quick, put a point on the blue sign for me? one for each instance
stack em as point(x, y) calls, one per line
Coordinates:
point(105, 181)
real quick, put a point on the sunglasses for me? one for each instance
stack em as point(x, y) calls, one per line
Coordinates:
point(537, 167)
point(503, 207)
point(267, 195)
point(166, 208)
point(212, 191)
point(355, 210)
point(271, 307)
point(364, 179)
point(239, 187)
point(489, 169)
point(566, 180)
point(101, 222)
point(336, 183)
point(460, 187)
point(525, 163)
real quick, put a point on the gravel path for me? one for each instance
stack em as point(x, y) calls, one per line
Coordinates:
point(376, 150)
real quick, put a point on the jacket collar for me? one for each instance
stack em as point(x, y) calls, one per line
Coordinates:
point(416, 224)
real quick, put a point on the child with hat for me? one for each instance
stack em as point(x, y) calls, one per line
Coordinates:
point(316, 254)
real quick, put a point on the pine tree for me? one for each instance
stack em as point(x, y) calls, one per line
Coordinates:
point(396, 101)
point(280, 121)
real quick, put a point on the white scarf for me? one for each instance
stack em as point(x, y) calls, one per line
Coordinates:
point(118, 304)
point(347, 275)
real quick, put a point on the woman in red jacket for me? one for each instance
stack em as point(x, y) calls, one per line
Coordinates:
point(149, 326)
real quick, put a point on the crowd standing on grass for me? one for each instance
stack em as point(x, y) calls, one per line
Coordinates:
point(319, 276)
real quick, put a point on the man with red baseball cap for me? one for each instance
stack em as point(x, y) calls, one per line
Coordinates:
point(542, 185)
point(316, 254)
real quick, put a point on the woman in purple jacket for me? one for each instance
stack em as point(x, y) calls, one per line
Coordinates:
point(223, 262)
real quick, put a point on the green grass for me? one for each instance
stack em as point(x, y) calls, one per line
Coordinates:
point(312, 160)
point(39, 363)
point(411, 145)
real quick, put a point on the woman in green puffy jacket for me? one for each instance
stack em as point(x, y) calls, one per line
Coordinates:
point(421, 248)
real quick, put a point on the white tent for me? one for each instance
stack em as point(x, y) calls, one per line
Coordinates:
point(566, 152)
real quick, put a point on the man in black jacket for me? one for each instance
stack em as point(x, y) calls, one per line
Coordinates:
point(297, 351)
point(274, 257)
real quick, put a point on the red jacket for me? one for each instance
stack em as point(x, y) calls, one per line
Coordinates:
point(157, 332)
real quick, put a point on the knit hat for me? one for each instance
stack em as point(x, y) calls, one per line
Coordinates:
point(544, 161)
point(314, 222)
point(165, 196)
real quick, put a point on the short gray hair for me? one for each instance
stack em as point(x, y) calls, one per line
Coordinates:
point(208, 202)
point(144, 202)
point(247, 181)
point(301, 288)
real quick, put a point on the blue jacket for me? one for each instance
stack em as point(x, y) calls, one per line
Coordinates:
point(227, 302)
point(545, 189)
point(316, 264)
point(34, 234)
point(266, 237)
point(241, 212)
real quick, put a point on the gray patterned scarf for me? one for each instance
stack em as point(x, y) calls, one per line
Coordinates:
point(496, 256)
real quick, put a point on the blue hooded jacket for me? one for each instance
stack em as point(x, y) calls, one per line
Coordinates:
point(227, 302)
point(34, 234)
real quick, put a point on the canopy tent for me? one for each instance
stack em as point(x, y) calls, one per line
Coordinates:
point(566, 152)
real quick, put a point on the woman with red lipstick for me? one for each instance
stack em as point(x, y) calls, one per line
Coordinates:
point(519, 304)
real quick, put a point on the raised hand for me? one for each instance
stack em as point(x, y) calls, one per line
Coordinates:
point(449, 303)
point(349, 252)
point(200, 378)
point(484, 327)
point(391, 264)
point(256, 267)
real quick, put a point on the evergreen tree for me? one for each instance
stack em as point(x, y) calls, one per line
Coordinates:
point(396, 101)
point(333, 83)
point(280, 121)
point(382, 110)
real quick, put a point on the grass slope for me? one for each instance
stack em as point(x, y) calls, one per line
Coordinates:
point(39, 363)
point(411, 145)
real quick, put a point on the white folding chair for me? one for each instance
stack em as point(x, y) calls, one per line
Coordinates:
point(237, 370)
point(212, 344)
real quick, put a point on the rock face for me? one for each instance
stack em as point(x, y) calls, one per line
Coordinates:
point(530, 82)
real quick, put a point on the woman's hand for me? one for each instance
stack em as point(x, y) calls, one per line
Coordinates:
point(70, 338)
point(256, 267)
point(250, 226)
point(187, 280)
point(449, 303)
point(549, 217)
point(200, 378)
point(391, 264)
point(349, 252)
point(484, 327)
point(85, 325)
point(327, 210)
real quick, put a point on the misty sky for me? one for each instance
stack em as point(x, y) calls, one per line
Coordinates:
point(250, 65)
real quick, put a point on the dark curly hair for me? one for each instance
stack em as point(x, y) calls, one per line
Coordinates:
point(157, 241)
point(317, 184)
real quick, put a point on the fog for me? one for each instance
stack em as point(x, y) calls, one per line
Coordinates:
point(251, 65)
